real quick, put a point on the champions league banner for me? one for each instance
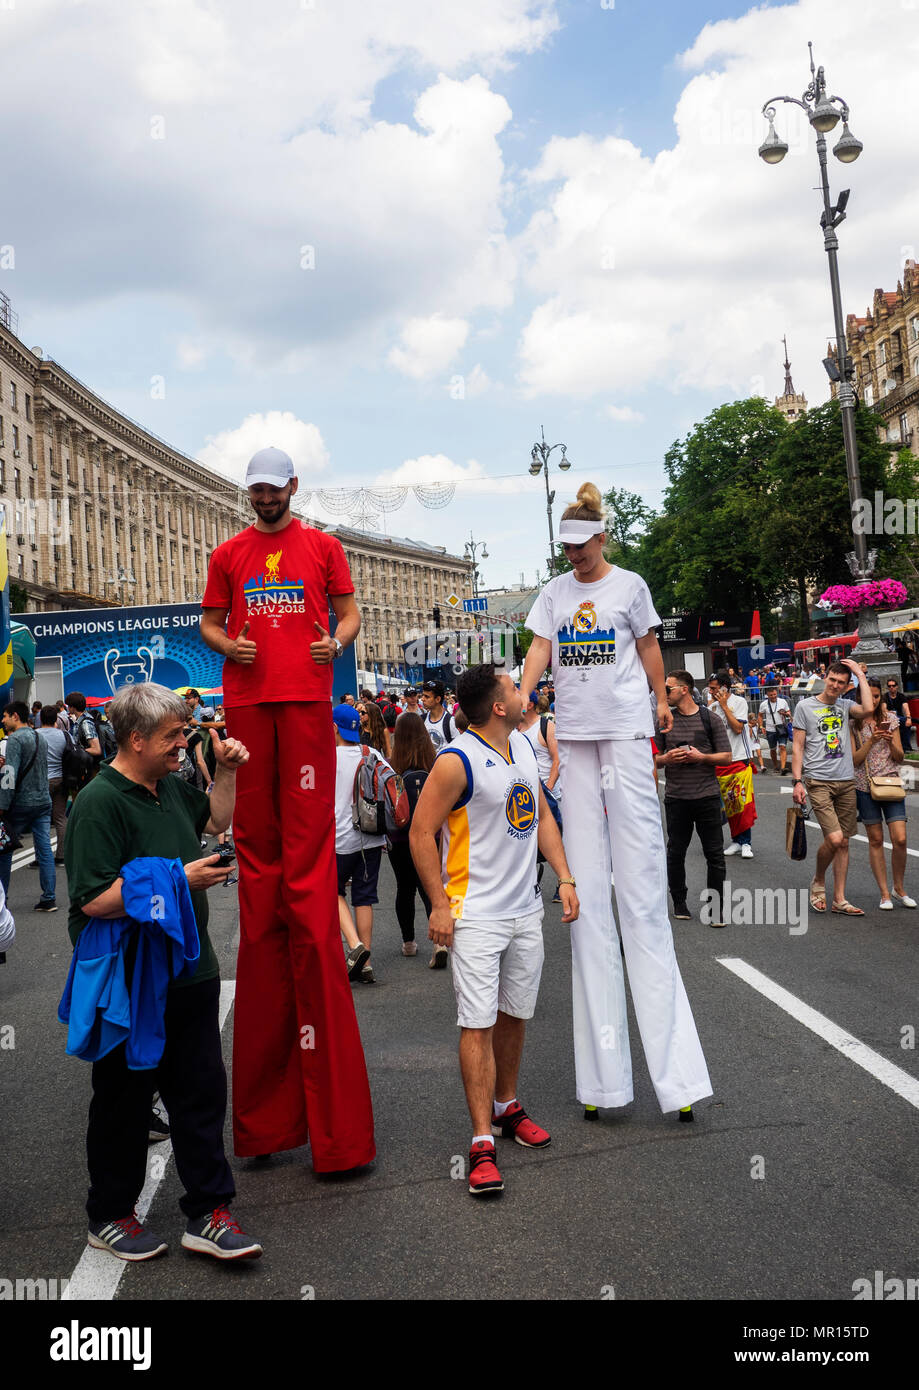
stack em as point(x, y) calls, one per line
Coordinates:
point(104, 649)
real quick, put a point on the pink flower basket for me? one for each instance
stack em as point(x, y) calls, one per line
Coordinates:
point(877, 593)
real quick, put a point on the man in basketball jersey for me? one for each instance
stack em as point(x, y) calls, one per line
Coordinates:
point(483, 794)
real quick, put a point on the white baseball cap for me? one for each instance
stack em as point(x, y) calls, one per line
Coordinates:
point(271, 466)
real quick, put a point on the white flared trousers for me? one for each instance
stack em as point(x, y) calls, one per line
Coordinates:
point(617, 774)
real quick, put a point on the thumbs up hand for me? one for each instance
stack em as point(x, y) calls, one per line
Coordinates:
point(242, 650)
point(325, 648)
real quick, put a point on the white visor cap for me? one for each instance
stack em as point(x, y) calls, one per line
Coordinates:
point(271, 466)
point(577, 532)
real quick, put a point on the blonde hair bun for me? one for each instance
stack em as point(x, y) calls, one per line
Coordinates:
point(588, 507)
point(589, 496)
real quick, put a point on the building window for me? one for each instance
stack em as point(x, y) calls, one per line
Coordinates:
point(882, 354)
point(29, 451)
point(869, 394)
point(15, 437)
point(16, 483)
point(28, 407)
point(14, 396)
point(904, 428)
point(914, 328)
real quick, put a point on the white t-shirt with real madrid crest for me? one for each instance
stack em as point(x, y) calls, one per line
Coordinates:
point(601, 689)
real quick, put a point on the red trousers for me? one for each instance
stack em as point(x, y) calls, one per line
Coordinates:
point(298, 1064)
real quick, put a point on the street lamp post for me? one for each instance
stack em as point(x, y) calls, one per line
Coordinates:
point(822, 113)
point(471, 547)
point(539, 463)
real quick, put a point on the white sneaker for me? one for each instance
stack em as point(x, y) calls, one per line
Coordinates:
point(885, 905)
point(733, 848)
point(904, 899)
point(746, 851)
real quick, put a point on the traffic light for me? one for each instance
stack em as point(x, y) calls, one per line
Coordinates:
point(436, 615)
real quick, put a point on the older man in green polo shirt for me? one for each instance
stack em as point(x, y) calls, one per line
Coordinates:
point(133, 809)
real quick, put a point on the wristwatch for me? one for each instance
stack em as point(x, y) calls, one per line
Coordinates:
point(797, 780)
point(340, 649)
point(567, 880)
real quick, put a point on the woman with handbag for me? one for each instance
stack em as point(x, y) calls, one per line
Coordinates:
point(881, 796)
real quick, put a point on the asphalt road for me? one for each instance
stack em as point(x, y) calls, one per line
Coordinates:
point(797, 1179)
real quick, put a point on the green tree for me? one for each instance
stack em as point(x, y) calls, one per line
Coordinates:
point(809, 518)
point(702, 552)
point(627, 518)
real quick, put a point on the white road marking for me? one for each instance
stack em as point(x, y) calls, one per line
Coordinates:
point(98, 1272)
point(864, 838)
point(898, 1081)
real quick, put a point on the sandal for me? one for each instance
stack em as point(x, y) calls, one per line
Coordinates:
point(818, 898)
point(846, 909)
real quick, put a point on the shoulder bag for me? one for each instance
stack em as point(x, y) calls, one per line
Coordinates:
point(886, 786)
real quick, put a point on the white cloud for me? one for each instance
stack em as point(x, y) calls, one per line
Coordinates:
point(477, 382)
point(470, 477)
point(244, 176)
point(230, 451)
point(190, 354)
point(428, 345)
point(684, 270)
point(623, 414)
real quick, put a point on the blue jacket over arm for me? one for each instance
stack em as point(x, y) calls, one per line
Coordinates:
point(102, 1010)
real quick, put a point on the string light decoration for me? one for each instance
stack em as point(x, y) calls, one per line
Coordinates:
point(366, 507)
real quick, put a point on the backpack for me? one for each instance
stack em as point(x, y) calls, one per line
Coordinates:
point(379, 801)
point(76, 764)
point(106, 736)
point(412, 781)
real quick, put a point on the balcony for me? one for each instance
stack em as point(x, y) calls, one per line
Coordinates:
point(903, 394)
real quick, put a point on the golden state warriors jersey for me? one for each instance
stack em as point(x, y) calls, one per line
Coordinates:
point(488, 843)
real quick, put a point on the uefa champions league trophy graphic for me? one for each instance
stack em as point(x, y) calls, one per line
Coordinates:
point(134, 668)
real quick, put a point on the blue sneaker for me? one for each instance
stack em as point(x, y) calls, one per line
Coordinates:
point(126, 1238)
point(219, 1235)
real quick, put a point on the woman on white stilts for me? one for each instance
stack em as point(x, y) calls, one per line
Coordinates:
point(595, 626)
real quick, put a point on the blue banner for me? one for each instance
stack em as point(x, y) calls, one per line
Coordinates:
point(103, 649)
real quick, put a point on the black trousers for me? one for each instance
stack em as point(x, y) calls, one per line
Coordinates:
point(407, 885)
point(193, 1084)
point(683, 817)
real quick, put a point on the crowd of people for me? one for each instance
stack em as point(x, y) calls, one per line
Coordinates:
point(468, 792)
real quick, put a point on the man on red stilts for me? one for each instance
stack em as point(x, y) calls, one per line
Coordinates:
point(298, 1065)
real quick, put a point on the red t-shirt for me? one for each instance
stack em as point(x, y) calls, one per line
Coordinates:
point(278, 581)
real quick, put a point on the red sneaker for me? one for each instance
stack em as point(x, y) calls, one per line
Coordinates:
point(515, 1123)
point(484, 1177)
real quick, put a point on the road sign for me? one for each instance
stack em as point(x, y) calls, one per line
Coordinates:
point(475, 605)
point(452, 600)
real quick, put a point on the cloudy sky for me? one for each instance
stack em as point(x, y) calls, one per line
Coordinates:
point(398, 238)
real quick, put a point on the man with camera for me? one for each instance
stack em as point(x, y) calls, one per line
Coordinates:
point(135, 810)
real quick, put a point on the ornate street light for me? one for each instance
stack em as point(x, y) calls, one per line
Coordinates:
point(824, 112)
point(539, 463)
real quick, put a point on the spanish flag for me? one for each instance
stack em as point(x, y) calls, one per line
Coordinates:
point(735, 781)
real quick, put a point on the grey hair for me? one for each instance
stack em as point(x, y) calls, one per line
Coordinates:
point(142, 708)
